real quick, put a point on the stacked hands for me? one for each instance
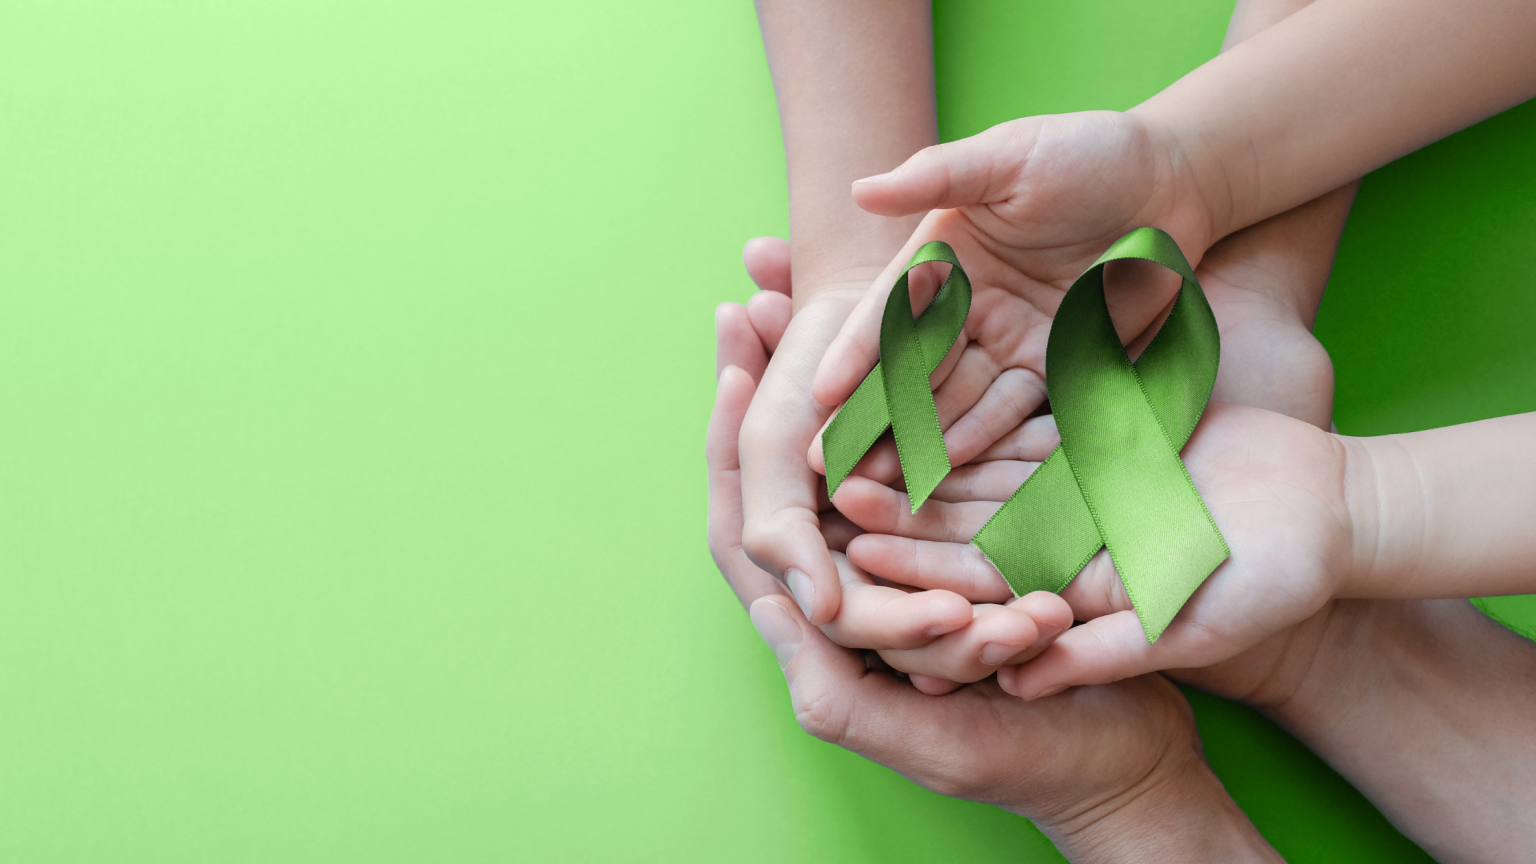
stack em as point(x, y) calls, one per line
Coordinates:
point(899, 640)
point(1292, 500)
point(1311, 517)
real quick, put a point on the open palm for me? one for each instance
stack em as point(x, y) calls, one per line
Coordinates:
point(1027, 206)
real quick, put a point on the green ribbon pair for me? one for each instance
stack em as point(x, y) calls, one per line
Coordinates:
point(1115, 481)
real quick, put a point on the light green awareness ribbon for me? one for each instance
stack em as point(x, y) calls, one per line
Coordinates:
point(896, 394)
point(1117, 480)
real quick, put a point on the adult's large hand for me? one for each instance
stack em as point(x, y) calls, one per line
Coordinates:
point(935, 636)
point(1109, 773)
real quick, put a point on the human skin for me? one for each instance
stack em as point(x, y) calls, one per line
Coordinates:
point(1320, 98)
point(878, 111)
point(1423, 705)
point(1111, 774)
point(854, 82)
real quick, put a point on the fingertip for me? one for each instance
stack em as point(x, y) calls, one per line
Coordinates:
point(883, 195)
point(767, 260)
point(735, 385)
point(1051, 614)
point(816, 457)
point(826, 385)
point(1016, 681)
point(828, 598)
point(946, 612)
point(930, 686)
point(768, 313)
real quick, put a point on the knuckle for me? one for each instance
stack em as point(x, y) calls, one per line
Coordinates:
point(821, 715)
point(756, 539)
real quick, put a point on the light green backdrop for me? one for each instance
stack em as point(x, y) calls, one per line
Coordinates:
point(351, 477)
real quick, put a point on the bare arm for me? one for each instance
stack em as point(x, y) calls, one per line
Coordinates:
point(1337, 90)
point(854, 81)
point(1425, 707)
point(1445, 512)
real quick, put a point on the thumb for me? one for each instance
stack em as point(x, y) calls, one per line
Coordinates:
point(976, 170)
point(1101, 651)
point(824, 680)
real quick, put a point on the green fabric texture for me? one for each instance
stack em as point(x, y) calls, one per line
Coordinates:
point(1117, 480)
point(896, 394)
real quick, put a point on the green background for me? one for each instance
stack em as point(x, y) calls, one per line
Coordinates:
point(351, 481)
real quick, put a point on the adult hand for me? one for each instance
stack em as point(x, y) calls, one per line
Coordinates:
point(1264, 283)
point(1110, 773)
point(936, 636)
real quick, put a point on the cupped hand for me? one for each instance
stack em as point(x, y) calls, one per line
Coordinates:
point(1073, 763)
point(1027, 206)
point(1275, 487)
point(938, 637)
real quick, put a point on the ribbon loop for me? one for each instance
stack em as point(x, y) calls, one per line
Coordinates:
point(896, 394)
point(1117, 480)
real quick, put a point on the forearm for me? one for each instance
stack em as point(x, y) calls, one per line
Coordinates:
point(1292, 253)
point(1444, 512)
point(1337, 90)
point(854, 81)
point(1184, 815)
point(1425, 707)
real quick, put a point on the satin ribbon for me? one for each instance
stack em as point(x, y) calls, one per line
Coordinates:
point(1116, 480)
point(896, 394)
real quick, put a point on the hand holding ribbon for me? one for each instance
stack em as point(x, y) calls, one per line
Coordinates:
point(1117, 479)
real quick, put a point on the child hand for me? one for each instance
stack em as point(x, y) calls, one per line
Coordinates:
point(1034, 201)
point(1274, 485)
point(1090, 768)
point(937, 636)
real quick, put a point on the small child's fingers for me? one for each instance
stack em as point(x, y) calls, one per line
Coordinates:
point(1010, 396)
point(975, 405)
point(996, 634)
point(769, 312)
point(956, 567)
point(962, 385)
point(736, 343)
point(874, 616)
point(767, 260)
point(1096, 591)
point(1031, 441)
point(984, 481)
point(882, 510)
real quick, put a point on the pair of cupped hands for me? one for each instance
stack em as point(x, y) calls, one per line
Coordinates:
point(1027, 206)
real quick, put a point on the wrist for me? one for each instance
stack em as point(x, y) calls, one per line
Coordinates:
point(848, 258)
point(1382, 498)
point(1178, 812)
point(1196, 200)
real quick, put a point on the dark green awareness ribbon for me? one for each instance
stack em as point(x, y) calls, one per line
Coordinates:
point(896, 394)
point(1117, 480)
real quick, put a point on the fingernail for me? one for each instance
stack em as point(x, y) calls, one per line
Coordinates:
point(777, 629)
point(994, 653)
point(878, 178)
point(1049, 691)
point(803, 588)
